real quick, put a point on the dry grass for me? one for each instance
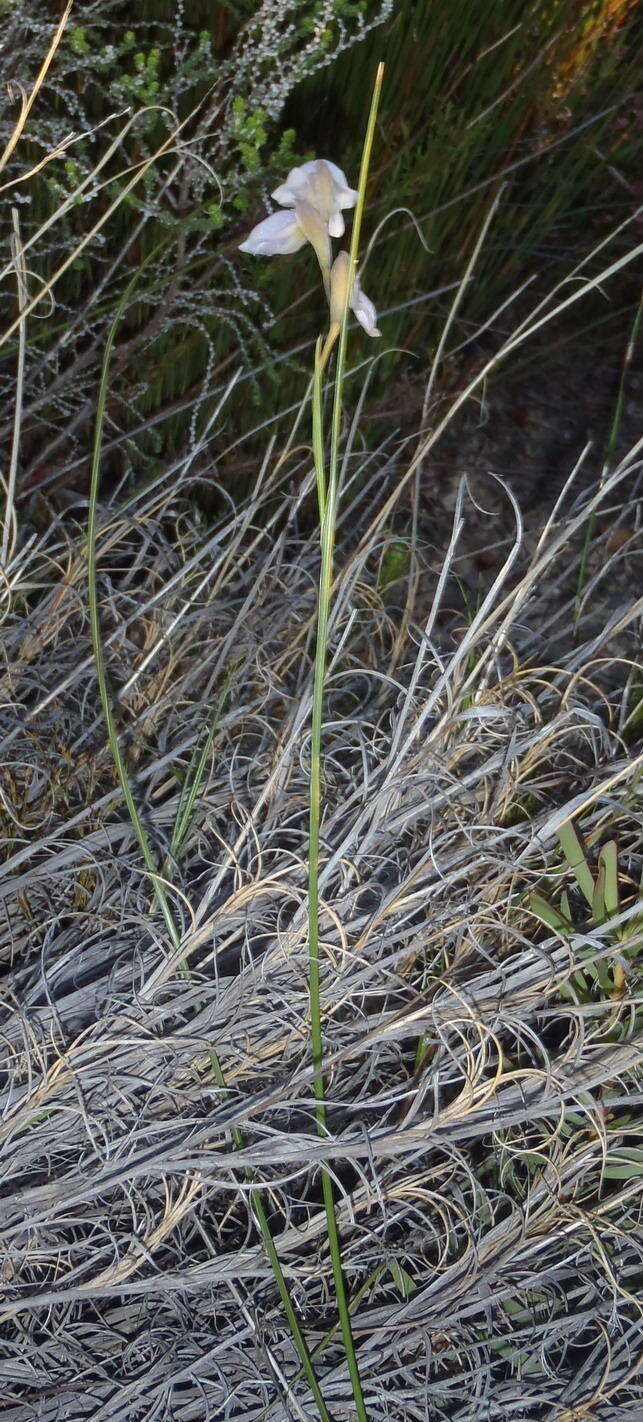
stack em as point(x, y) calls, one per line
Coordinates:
point(482, 1120)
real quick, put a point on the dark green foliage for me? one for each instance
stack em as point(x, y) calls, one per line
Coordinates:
point(542, 94)
point(157, 129)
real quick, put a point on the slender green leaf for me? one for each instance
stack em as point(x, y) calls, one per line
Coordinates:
point(547, 914)
point(575, 856)
point(608, 860)
point(598, 897)
point(195, 773)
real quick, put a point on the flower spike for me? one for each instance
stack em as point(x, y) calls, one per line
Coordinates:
point(314, 195)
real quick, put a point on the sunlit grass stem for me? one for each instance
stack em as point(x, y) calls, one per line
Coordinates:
point(21, 279)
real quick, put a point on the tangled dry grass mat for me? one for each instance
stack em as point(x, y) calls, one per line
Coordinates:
point(482, 1087)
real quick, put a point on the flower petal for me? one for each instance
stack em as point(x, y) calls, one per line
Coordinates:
point(307, 171)
point(278, 234)
point(284, 194)
point(295, 185)
point(339, 273)
point(346, 197)
point(321, 184)
point(365, 311)
point(361, 305)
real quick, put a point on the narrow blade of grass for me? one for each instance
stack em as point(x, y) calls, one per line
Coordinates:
point(548, 914)
point(195, 773)
point(575, 856)
point(327, 492)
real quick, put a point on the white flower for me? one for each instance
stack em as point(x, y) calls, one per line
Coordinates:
point(286, 232)
point(360, 303)
point(323, 186)
point(314, 195)
point(279, 233)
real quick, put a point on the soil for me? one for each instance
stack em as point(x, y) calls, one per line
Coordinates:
point(537, 418)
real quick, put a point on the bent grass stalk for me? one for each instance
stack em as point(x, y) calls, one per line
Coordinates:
point(327, 497)
point(21, 281)
point(148, 854)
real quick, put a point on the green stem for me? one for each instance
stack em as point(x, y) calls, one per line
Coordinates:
point(318, 433)
point(327, 493)
point(147, 852)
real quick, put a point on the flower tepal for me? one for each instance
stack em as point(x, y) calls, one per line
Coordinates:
point(285, 232)
point(360, 303)
point(324, 187)
point(279, 234)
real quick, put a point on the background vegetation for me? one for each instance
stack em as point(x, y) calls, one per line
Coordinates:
point(542, 96)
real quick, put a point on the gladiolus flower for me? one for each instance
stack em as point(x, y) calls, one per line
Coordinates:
point(315, 193)
point(323, 186)
point(360, 304)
